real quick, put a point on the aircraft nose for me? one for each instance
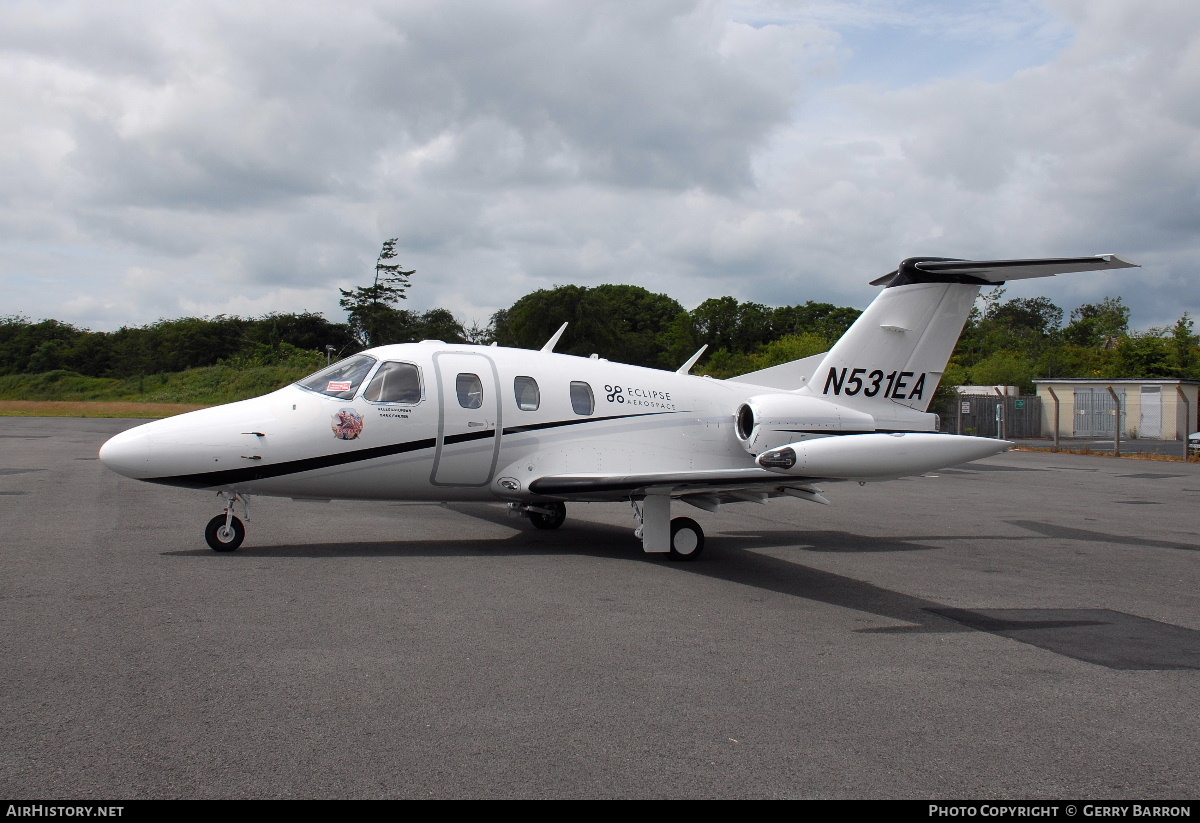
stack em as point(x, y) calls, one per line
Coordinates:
point(128, 453)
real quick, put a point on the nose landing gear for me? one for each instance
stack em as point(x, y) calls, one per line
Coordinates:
point(225, 532)
point(542, 515)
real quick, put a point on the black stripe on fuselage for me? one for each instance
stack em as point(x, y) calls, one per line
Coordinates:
point(229, 477)
point(553, 424)
point(247, 474)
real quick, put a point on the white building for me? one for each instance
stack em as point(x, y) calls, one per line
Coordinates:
point(1151, 409)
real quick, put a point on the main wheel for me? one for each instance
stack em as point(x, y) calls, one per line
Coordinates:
point(687, 539)
point(549, 521)
point(222, 538)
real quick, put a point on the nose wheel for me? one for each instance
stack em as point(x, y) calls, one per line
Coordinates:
point(547, 515)
point(224, 536)
point(225, 532)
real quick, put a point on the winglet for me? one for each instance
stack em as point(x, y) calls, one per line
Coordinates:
point(553, 341)
point(686, 367)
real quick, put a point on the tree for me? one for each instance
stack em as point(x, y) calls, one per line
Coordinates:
point(372, 309)
point(1183, 341)
point(1145, 355)
point(1035, 314)
point(1096, 324)
point(438, 324)
point(627, 324)
point(823, 319)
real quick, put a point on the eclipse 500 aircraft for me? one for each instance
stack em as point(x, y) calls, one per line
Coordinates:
point(440, 422)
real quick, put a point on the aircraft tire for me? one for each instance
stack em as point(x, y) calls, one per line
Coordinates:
point(218, 540)
point(549, 521)
point(687, 539)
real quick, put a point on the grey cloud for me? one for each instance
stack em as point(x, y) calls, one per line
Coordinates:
point(226, 156)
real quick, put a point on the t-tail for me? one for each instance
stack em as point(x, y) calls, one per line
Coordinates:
point(889, 363)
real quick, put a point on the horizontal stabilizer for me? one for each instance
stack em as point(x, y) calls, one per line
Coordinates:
point(787, 376)
point(993, 272)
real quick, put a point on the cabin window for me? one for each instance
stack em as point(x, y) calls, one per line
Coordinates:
point(342, 379)
point(470, 391)
point(395, 383)
point(582, 400)
point(528, 396)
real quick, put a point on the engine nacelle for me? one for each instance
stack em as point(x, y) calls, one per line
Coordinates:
point(766, 421)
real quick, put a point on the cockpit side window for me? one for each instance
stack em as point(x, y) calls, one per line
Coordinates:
point(342, 379)
point(527, 393)
point(470, 391)
point(582, 400)
point(395, 383)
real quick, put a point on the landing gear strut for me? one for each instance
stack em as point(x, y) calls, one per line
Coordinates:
point(542, 515)
point(681, 538)
point(225, 532)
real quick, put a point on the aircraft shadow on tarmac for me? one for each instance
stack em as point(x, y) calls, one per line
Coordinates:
point(1103, 637)
point(1088, 536)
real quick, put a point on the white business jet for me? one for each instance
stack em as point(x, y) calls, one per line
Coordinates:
point(534, 429)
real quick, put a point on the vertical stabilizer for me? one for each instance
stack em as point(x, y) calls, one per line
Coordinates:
point(896, 351)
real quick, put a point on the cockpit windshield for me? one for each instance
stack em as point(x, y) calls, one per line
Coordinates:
point(342, 379)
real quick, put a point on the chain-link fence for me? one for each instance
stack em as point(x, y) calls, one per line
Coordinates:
point(984, 415)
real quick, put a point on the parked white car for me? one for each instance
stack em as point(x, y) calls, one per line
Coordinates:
point(1194, 443)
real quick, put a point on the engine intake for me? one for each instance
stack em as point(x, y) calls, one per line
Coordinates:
point(766, 421)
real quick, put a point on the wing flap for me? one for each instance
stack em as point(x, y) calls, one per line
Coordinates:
point(596, 485)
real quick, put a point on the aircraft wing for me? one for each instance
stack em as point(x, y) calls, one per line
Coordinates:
point(704, 485)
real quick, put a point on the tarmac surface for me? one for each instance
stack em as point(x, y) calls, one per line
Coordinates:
point(1023, 627)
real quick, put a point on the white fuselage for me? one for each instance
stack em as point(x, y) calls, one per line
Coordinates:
point(289, 443)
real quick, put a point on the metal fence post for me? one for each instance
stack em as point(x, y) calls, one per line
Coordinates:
point(1054, 397)
point(1117, 431)
point(1187, 420)
point(999, 413)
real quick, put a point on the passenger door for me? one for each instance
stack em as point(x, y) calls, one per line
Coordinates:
point(468, 439)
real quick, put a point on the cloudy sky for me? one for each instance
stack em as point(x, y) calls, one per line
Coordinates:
point(162, 159)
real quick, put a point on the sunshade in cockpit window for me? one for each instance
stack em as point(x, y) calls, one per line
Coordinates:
point(341, 379)
point(395, 383)
point(470, 391)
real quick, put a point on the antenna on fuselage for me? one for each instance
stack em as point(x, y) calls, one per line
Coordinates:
point(550, 344)
point(686, 367)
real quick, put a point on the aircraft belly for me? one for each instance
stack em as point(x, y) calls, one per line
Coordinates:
point(383, 478)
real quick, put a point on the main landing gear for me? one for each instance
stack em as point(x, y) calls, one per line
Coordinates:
point(687, 539)
point(681, 537)
point(225, 532)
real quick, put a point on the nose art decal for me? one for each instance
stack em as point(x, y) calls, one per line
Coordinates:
point(347, 424)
